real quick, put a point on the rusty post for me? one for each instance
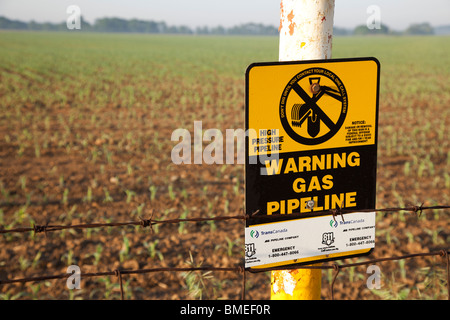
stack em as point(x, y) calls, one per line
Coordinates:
point(306, 32)
point(306, 29)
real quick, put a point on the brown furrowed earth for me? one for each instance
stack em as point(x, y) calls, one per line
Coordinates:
point(85, 137)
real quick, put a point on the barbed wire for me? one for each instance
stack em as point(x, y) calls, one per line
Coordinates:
point(240, 269)
point(150, 222)
point(237, 269)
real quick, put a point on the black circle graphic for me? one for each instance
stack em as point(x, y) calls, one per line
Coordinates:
point(310, 104)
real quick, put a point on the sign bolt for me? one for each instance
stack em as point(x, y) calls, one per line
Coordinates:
point(310, 204)
point(315, 88)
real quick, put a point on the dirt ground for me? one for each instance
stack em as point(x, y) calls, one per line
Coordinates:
point(196, 191)
point(76, 162)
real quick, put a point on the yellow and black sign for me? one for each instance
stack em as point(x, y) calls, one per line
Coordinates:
point(312, 138)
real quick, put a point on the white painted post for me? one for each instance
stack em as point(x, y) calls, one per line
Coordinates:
point(306, 29)
point(306, 33)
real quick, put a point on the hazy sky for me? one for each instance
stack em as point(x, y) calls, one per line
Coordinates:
point(397, 14)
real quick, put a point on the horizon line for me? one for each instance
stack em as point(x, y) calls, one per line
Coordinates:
point(215, 26)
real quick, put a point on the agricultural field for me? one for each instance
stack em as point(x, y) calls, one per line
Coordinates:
point(85, 137)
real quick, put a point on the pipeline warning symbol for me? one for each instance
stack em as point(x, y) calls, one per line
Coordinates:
point(313, 106)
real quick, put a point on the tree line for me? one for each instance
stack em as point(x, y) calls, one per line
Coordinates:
point(139, 26)
point(144, 26)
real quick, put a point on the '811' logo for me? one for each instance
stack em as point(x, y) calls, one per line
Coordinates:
point(250, 250)
point(328, 238)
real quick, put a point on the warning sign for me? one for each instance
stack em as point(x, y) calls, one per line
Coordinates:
point(311, 147)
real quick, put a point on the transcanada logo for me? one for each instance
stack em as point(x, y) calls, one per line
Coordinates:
point(333, 223)
point(254, 234)
point(275, 231)
point(351, 221)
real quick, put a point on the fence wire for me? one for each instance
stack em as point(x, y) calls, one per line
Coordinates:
point(239, 269)
point(150, 222)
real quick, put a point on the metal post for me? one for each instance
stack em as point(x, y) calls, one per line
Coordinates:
point(306, 32)
point(306, 29)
